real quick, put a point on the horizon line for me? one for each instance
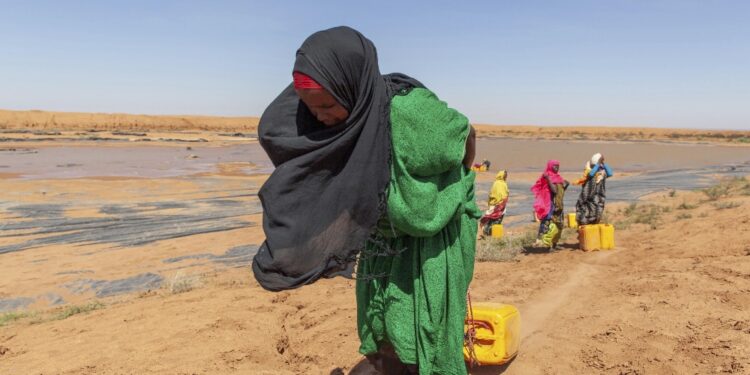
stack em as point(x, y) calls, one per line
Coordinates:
point(256, 117)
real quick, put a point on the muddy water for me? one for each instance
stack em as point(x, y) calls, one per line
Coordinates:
point(143, 222)
point(87, 238)
point(512, 154)
point(135, 161)
point(658, 166)
point(531, 155)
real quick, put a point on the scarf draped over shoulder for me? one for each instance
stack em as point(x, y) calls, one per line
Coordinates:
point(325, 196)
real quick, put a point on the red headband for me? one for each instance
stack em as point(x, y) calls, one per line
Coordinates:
point(303, 81)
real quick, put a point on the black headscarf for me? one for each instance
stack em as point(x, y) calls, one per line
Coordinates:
point(327, 192)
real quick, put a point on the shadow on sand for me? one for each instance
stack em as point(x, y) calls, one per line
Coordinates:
point(528, 250)
point(491, 370)
point(364, 367)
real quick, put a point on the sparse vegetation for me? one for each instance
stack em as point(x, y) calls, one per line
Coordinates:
point(504, 249)
point(10, 317)
point(180, 283)
point(672, 193)
point(568, 234)
point(715, 192)
point(684, 216)
point(622, 224)
point(649, 216)
point(69, 311)
point(745, 190)
point(726, 205)
point(727, 187)
point(687, 206)
point(630, 209)
point(56, 314)
point(646, 214)
point(605, 219)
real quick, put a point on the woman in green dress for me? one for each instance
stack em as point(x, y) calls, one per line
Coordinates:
point(372, 168)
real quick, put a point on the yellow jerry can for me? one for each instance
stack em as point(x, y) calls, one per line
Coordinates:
point(589, 237)
point(607, 236)
point(572, 223)
point(497, 333)
point(497, 231)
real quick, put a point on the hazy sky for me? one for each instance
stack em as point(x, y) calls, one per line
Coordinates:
point(665, 63)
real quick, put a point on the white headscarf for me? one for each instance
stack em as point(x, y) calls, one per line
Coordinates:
point(595, 159)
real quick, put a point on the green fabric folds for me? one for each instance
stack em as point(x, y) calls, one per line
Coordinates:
point(427, 188)
point(415, 299)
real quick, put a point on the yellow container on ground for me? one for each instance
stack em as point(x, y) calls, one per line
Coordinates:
point(572, 223)
point(497, 231)
point(607, 236)
point(589, 237)
point(498, 333)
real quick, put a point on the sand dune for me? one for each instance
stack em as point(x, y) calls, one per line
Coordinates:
point(607, 133)
point(42, 120)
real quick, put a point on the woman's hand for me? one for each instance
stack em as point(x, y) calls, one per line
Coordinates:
point(471, 148)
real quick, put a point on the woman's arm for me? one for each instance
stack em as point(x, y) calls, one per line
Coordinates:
point(471, 148)
point(552, 186)
point(593, 171)
point(598, 167)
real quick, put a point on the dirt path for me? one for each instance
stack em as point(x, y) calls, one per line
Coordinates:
point(669, 301)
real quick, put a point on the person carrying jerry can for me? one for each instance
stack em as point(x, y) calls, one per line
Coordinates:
point(497, 203)
point(590, 204)
point(549, 191)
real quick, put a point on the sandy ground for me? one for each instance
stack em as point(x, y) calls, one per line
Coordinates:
point(165, 257)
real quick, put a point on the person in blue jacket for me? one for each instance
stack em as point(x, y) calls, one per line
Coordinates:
point(590, 205)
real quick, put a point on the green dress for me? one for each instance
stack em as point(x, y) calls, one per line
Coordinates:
point(413, 297)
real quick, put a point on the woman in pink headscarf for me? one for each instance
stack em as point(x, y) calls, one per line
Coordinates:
point(549, 191)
